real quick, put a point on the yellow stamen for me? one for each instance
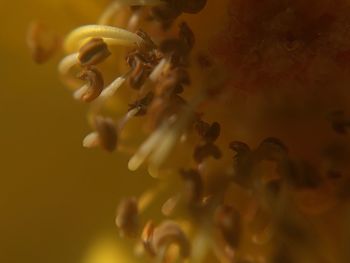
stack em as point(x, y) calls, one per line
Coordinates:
point(112, 88)
point(110, 34)
point(67, 63)
point(115, 6)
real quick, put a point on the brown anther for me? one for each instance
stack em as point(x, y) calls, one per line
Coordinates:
point(141, 70)
point(193, 185)
point(201, 127)
point(194, 6)
point(242, 162)
point(271, 149)
point(142, 104)
point(127, 217)
point(147, 236)
point(208, 132)
point(168, 233)
point(42, 43)
point(239, 147)
point(228, 220)
point(206, 150)
point(107, 133)
point(186, 35)
point(95, 84)
point(93, 52)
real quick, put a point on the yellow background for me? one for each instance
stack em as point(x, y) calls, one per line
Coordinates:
point(56, 198)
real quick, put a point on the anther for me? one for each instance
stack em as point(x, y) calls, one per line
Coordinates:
point(93, 52)
point(140, 72)
point(127, 217)
point(208, 132)
point(93, 89)
point(239, 147)
point(242, 162)
point(105, 135)
point(41, 42)
point(168, 233)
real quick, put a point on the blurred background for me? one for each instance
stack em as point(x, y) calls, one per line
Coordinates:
point(56, 198)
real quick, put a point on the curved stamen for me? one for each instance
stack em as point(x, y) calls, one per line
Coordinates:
point(67, 63)
point(110, 34)
point(115, 6)
point(112, 88)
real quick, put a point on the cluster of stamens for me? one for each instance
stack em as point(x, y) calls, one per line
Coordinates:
point(252, 212)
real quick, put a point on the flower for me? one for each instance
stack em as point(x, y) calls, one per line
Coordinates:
point(238, 108)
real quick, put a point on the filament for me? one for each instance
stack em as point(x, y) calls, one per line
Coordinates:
point(110, 34)
point(115, 6)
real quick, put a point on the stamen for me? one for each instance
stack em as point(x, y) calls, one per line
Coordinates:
point(146, 237)
point(67, 63)
point(110, 34)
point(147, 147)
point(142, 104)
point(169, 233)
point(158, 70)
point(93, 89)
point(127, 217)
point(41, 42)
point(112, 88)
point(116, 5)
point(91, 140)
point(105, 135)
point(171, 136)
point(162, 151)
point(130, 114)
point(169, 206)
point(109, 13)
